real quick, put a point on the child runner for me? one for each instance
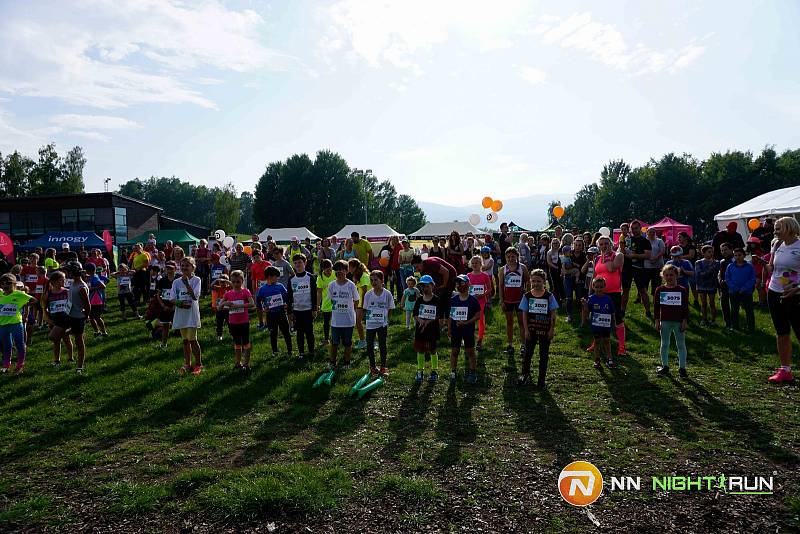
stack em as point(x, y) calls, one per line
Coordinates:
point(740, 278)
point(97, 286)
point(601, 309)
point(12, 333)
point(164, 287)
point(465, 310)
point(186, 292)
point(273, 299)
point(238, 301)
point(410, 296)
point(587, 271)
point(671, 312)
point(325, 278)
point(724, 299)
point(35, 311)
point(538, 308)
point(426, 332)
point(481, 285)
point(344, 298)
point(378, 304)
point(154, 273)
point(360, 278)
point(79, 309)
point(303, 305)
point(55, 302)
point(706, 280)
point(124, 293)
point(513, 283)
point(685, 267)
point(257, 279)
point(219, 287)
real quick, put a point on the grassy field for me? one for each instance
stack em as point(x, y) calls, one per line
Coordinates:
point(133, 446)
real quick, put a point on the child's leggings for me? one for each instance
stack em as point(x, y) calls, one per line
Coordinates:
point(304, 326)
point(276, 321)
point(13, 334)
point(326, 325)
point(667, 329)
point(381, 335)
point(482, 320)
point(221, 319)
point(544, 355)
point(409, 313)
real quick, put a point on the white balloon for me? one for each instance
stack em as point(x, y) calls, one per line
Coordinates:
point(384, 254)
point(227, 242)
point(493, 217)
point(219, 235)
point(424, 256)
point(605, 231)
point(474, 219)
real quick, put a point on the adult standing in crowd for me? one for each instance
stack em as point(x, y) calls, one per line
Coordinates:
point(296, 248)
point(783, 293)
point(326, 252)
point(436, 251)
point(623, 246)
point(455, 252)
point(168, 248)
point(241, 261)
point(656, 262)
point(394, 267)
point(202, 258)
point(525, 256)
point(140, 261)
point(505, 240)
point(765, 233)
point(638, 252)
point(444, 279)
point(362, 249)
point(730, 236)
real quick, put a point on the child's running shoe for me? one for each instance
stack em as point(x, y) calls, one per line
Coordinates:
point(781, 375)
point(452, 377)
point(683, 373)
point(79, 370)
point(20, 369)
point(384, 372)
point(523, 380)
point(419, 377)
point(509, 349)
point(612, 364)
point(373, 371)
point(597, 364)
point(56, 365)
point(197, 369)
point(662, 369)
point(261, 326)
point(5, 368)
point(433, 377)
point(472, 377)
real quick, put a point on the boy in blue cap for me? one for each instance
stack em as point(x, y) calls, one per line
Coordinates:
point(465, 310)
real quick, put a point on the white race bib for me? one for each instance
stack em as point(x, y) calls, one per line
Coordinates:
point(601, 320)
point(59, 306)
point(280, 270)
point(166, 294)
point(215, 273)
point(341, 307)
point(376, 319)
point(38, 290)
point(237, 306)
point(68, 283)
point(152, 286)
point(459, 313)
point(184, 296)
point(302, 286)
point(427, 311)
point(538, 306)
point(31, 278)
point(8, 310)
point(670, 298)
point(513, 280)
point(123, 282)
point(477, 290)
point(275, 301)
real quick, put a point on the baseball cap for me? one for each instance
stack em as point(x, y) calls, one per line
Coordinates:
point(488, 250)
point(64, 245)
point(462, 279)
point(676, 251)
point(426, 279)
point(593, 250)
point(732, 226)
point(294, 238)
point(754, 239)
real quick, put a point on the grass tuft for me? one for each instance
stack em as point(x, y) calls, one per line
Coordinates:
point(407, 488)
point(132, 498)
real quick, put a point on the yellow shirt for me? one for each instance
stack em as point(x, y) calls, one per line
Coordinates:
point(141, 261)
point(362, 250)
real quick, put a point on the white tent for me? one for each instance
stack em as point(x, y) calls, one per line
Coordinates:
point(778, 203)
point(444, 229)
point(284, 235)
point(371, 232)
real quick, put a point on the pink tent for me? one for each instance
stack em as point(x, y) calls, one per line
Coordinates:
point(669, 229)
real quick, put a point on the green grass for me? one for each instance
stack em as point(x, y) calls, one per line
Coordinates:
point(131, 437)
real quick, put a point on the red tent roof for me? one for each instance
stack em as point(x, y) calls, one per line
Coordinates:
point(666, 222)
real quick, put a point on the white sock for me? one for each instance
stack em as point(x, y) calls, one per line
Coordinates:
point(786, 367)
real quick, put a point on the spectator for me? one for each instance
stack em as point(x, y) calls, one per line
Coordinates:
point(783, 293)
point(362, 248)
point(765, 233)
point(730, 236)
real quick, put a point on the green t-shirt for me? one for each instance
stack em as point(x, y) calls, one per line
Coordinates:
point(363, 286)
point(362, 250)
point(10, 306)
point(50, 263)
point(323, 282)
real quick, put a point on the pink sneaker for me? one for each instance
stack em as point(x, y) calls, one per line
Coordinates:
point(781, 375)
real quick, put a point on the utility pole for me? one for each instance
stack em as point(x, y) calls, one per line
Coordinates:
point(105, 184)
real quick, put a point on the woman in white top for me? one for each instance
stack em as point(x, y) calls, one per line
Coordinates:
point(783, 293)
point(186, 292)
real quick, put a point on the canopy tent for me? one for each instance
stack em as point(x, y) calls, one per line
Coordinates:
point(444, 229)
point(517, 229)
point(778, 203)
point(669, 230)
point(284, 235)
point(370, 232)
point(178, 237)
point(76, 240)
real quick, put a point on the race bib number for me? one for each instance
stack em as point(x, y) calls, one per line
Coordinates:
point(513, 280)
point(275, 301)
point(166, 294)
point(152, 286)
point(601, 320)
point(427, 311)
point(8, 310)
point(477, 290)
point(237, 306)
point(123, 282)
point(538, 306)
point(31, 278)
point(280, 270)
point(375, 319)
point(301, 287)
point(100, 269)
point(59, 306)
point(341, 307)
point(38, 290)
point(184, 295)
point(670, 298)
point(459, 313)
point(68, 283)
point(215, 273)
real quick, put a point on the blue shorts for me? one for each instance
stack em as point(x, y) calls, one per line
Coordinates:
point(342, 335)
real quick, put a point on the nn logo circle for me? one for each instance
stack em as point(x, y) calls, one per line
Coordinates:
point(580, 483)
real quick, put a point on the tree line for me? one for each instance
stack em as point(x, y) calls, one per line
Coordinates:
point(50, 174)
point(682, 187)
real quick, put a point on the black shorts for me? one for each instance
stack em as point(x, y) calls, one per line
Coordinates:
point(77, 325)
point(605, 334)
point(626, 277)
point(467, 335)
point(619, 314)
point(240, 333)
point(707, 291)
point(444, 296)
point(96, 312)
point(61, 320)
point(511, 306)
point(785, 313)
point(641, 278)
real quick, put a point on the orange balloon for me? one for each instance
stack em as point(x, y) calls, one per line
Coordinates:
point(497, 206)
point(384, 262)
point(558, 211)
point(248, 249)
point(753, 224)
point(487, 202)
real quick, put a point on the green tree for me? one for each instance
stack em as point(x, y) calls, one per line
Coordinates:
point(15, 170)
point(45, 176)
point(226, 208)
point(72, 165)
point(246, 224)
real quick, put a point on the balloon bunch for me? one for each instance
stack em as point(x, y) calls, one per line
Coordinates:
point(225, 240)
point(490, 204)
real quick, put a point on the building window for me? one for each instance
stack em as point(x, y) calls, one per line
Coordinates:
point(86, 219)
point(19, 224)
point(5, 223)
point(121, 224)
point(52, 221)
point(69, 220)
point(36, 223)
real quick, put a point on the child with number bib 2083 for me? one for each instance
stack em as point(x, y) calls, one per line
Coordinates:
point(426, 331)
point(602, 321)
point(273, 299)
point(464, 313)
point(238, 301)
point(378, 304)
point(671, 312)
point(410, 296)
point(538, 307)
point(344, 299)
point(481, 286)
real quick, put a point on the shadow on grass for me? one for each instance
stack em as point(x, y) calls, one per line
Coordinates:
point(410, 420)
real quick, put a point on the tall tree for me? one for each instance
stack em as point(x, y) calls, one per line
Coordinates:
point(45, 176)
point(246, 224)
point(72, 171)
point(15, 171)
point(226, 208)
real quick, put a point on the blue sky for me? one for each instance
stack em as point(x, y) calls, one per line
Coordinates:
point(450, 100)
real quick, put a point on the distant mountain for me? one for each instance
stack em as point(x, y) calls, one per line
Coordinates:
point(528, 212)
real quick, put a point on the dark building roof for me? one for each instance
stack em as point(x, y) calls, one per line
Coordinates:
point(84, 198)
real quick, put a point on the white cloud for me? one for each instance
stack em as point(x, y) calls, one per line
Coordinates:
point(606, 44)
point(114, 53)
point(532, 75)
point(92, 122)
point(94, 136)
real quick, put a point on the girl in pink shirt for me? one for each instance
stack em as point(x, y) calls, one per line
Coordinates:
point(238, 301)
point(481, 286)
